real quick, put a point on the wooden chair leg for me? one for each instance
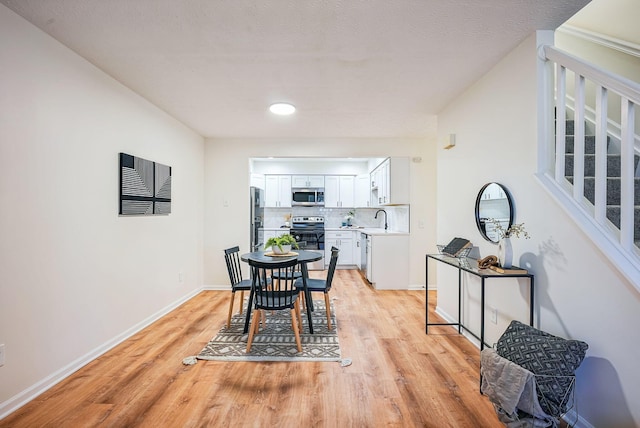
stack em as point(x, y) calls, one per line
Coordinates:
point(233, 294)
point(303, 299)
point(253, 328)
point(296, 331)
point(326, 302)
point(241, 301)
point(296, 306)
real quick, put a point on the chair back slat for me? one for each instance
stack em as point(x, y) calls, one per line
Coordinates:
point(280, 293)
point(332, 266)
point(232, 258)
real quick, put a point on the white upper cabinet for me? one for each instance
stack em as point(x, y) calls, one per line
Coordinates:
point(277, 191)
point(339, 191)
point(390, 182)
point(363, 191)
point(307, 181)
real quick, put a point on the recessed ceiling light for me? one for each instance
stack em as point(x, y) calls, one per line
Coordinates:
point(282, 109)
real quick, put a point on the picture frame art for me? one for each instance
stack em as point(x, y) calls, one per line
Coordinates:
point(145, 187)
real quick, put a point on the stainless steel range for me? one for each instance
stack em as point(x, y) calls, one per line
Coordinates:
point(309, 233)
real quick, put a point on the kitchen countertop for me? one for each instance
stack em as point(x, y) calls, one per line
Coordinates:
point(378, 231)
point(368, 230)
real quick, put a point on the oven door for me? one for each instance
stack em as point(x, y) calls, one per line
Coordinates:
point(312, 240)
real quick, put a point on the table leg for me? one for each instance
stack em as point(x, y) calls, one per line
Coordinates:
point(250, 305)
point(481, 325)
point(459, 301)
point(426, 289)
point(305, 275)
point(482, 314)
point(531, 306)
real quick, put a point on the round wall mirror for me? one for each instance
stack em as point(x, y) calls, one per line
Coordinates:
point(493, 202)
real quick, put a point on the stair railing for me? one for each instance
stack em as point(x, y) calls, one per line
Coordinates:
point(617, 244)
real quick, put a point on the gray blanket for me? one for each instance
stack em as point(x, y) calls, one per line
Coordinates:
point(512, 390)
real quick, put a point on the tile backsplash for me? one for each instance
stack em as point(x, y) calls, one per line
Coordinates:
point(397, 216)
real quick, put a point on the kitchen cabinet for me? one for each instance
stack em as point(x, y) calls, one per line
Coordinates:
point(277, 191)
point(363, 191)
point(390, 182)
point(307, 181)
point(344, 241)
point(339, 191)
point(388, 261)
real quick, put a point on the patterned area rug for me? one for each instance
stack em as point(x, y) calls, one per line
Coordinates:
point(276, 341)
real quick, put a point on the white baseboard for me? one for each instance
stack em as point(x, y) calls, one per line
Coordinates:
point(22, 398)
point(450, 319)
point(216, 287)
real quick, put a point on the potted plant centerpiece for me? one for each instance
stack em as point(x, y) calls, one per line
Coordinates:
point(281, 244)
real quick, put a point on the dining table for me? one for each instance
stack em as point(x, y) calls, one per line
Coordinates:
point(303, 256)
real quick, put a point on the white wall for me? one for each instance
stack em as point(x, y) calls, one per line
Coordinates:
point(227, 191)
point(579, 295)
point(74, 275)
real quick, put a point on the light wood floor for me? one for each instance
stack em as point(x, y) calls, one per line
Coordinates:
point(400, 377)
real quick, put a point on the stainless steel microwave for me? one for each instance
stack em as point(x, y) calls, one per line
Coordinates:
point(307, 196)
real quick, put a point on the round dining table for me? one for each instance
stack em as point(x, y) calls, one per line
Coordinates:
point(303, 257)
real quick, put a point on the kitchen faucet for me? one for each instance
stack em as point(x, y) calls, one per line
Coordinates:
point(385, 218)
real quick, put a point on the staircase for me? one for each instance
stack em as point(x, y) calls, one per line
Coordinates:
point(600, 191)
point(613, 177)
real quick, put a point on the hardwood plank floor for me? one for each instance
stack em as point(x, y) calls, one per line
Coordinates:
point(399, 377)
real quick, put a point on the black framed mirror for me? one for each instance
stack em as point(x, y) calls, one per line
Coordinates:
point(493, 202)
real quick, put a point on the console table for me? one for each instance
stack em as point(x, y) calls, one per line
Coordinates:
point(470, 265)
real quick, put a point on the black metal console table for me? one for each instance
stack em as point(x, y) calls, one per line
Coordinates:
point(469, 265)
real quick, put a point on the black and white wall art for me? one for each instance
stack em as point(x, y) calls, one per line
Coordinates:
point(145, 186)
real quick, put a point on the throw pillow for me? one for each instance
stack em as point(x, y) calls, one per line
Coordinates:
point(554, 358)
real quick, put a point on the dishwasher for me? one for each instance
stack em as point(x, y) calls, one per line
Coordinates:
point(365, 256)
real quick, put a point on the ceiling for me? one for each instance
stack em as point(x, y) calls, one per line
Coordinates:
point(353, 68)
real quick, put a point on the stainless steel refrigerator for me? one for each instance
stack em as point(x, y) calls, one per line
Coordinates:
point(256, 205)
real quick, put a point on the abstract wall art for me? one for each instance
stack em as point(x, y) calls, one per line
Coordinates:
point(145, 186)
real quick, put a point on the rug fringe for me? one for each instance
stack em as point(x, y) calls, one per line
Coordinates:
point(189, 361)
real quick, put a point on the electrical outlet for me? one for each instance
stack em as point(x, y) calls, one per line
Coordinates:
point(2, 355)
point(494, 315)
point(180, 277)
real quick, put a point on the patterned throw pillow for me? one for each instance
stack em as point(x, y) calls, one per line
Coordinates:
point(544, 354)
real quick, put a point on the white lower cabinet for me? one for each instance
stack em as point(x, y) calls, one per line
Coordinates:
point(357, 250)
point(344, 241)
point(389, 262)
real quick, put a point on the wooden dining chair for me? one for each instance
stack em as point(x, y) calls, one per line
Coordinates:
point(323, 285)
point(232, 258)
point(279, 295)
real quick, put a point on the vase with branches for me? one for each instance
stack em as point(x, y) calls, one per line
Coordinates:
point(505, 248)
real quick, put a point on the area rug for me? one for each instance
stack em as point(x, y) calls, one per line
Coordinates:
point(276, 341)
